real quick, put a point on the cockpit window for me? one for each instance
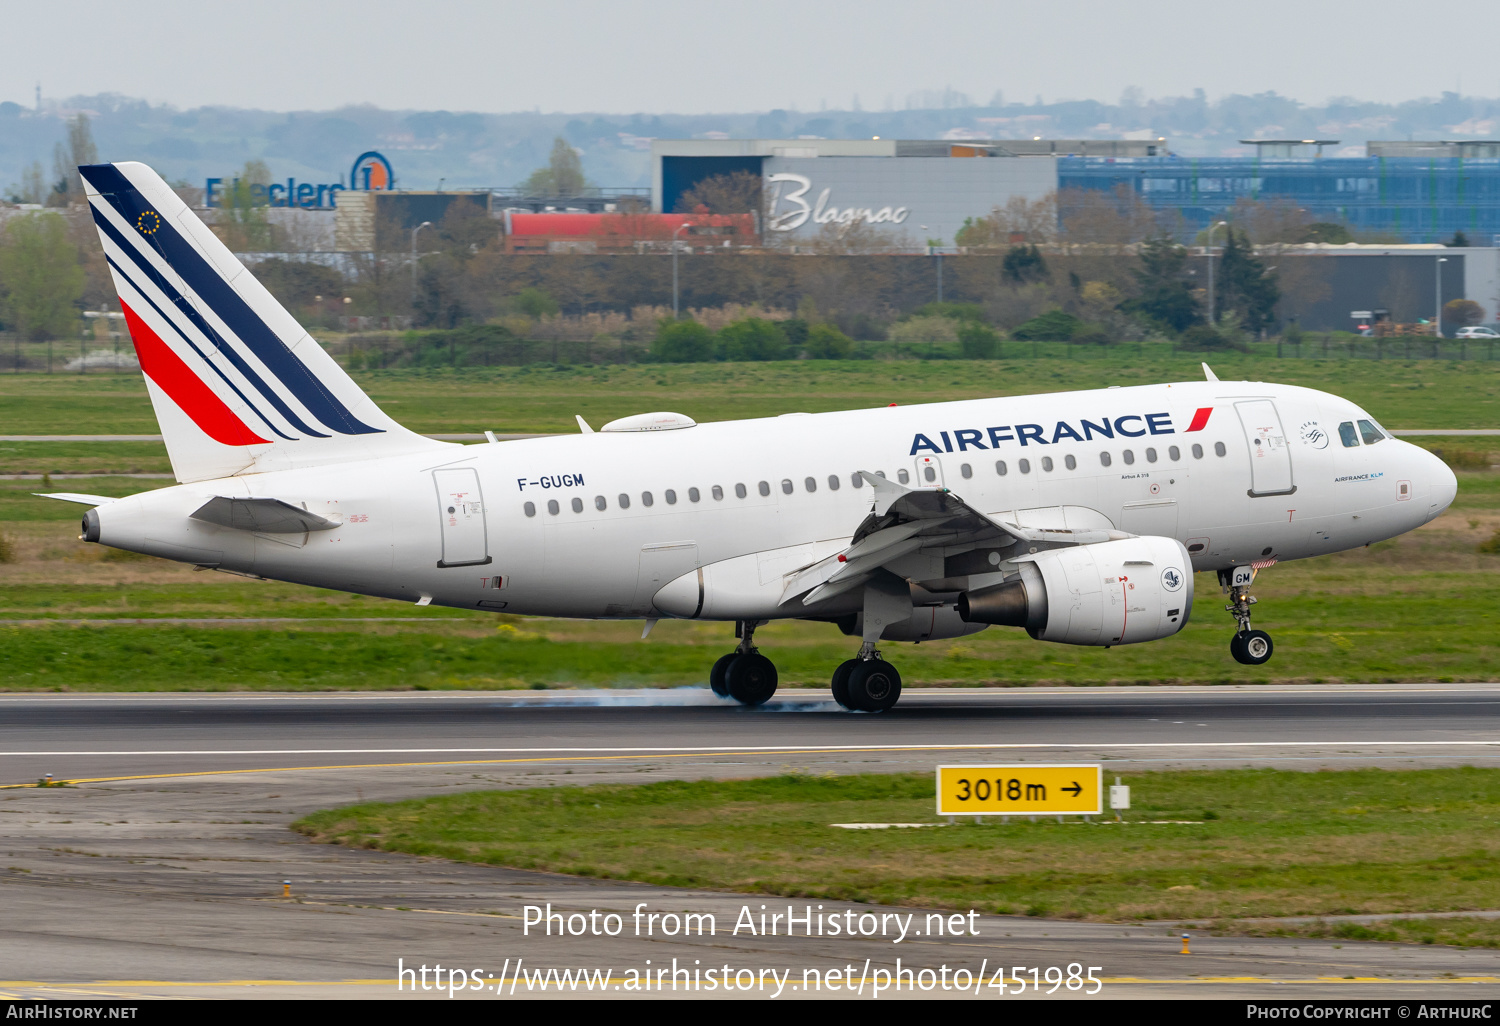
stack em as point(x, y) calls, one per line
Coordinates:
point(1348, 435)
point(1371, 433)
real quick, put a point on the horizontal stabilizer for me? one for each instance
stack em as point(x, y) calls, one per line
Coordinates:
point(264, 515)
point(87, 500)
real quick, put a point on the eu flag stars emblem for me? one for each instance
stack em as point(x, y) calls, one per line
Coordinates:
point(148, 222)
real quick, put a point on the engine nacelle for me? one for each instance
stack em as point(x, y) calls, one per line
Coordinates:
point(1112, 593)
point(926, 623)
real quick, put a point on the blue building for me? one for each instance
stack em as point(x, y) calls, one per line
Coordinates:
point(1418, 199)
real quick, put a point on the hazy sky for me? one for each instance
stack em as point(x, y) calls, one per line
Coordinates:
point(689, 56)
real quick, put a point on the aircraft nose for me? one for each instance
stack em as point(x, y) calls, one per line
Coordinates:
point(1442, 486)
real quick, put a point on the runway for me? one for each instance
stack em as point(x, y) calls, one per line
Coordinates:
point(93, 736)
point(167, 879)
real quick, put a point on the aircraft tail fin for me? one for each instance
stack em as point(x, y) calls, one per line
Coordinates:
point(238, 386)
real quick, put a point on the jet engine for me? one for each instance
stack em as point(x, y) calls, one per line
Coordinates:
point(1110, 593)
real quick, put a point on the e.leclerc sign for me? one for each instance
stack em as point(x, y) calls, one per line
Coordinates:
point(371, 171)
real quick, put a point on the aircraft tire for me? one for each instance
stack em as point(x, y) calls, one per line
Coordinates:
point(1251, 647)
point(874, 686)
point(841, 682)
point(751, 679)
point(716, 675)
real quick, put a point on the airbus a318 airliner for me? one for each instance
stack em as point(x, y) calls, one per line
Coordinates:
point(1080, 517)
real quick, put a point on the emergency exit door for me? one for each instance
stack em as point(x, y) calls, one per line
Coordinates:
point(1270, 455)
point(461, 514)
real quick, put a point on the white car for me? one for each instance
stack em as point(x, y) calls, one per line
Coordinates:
point(1478, 331)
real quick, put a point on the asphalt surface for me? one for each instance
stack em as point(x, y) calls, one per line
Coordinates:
point(168, 882)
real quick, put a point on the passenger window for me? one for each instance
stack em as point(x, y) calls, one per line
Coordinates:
point(1070, 463)
point(577, 505)
point(765, 487)
point(929, 473)
point(1150, 455)
point(1129, 457)
point(646, 499)
point(1197, 451)
point(833, 483)
point(902, 476)
point(966, 470)
point(1173, 453)
point(881, 473)
point(1024, 465)
point(671, 497)
point(1219, 449)
point(1105, 459)
point(599, 503)
point(553, 508)
point(811, 484)
point(855, 481)
point(1047, 464)
point(1001, 468)
point(624, 501)
point(786, 486)
point(694, 495)
point(719, 492)
point(530, 509)
point(739, 491)
point(1348, 435)
point(1370, 433)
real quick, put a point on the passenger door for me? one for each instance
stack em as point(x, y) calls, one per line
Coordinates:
point(1270, 455)
point(929, 472)
point(461, 513)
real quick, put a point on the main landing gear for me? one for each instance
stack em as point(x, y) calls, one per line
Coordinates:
point(867, 683)
point(1250, 647)
point(744, 674)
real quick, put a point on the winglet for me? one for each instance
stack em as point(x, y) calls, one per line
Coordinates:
point(583, 425)
point(1208, 373)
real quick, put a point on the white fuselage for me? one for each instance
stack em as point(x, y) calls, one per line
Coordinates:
point(1285, 487)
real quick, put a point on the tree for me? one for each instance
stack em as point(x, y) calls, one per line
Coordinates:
point(753, 338)
point(682, 342)
point(1052, 326)
point(33, 187)
point(1164, 295)
point(240, 222)
point(298, 283)
point(825, 342)
point(79, 149)
point(737, 193)
point(534, 303)
point(1024, 264)
point(1461, 313)
point(1243, 285)
point(1328, 233)
point(563, 175)
point(1459, 239)
point(979, 341)
point(40, 277)
point(1111, 220)
point(1020, 220)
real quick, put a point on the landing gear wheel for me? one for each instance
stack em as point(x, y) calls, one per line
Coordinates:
point(1251, 647)
point(874, 686)
point(716, 675)
point(751, 679)
point(841, 682)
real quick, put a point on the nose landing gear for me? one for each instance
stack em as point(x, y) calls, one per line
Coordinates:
point(744, 674)
point(1250, 647)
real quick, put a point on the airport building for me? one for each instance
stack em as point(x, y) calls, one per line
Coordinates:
point(915, 190)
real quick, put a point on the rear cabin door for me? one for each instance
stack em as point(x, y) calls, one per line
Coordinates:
point(461, 513)
point(1270, 455)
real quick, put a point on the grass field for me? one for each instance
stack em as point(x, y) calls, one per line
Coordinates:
point(1257, 843)
point(1420, 607)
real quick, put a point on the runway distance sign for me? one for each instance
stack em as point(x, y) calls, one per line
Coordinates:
point(1046, 789)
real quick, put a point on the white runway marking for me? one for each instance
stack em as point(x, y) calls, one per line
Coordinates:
point(668, 749)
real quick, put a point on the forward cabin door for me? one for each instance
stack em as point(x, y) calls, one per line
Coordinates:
point(461, 513)
point(929, 472)
point(1270, 455)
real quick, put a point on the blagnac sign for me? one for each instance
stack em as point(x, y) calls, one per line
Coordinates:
point(790, 208)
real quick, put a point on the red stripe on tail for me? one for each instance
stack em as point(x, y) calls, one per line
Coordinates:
point(1200, 419)
point(191, 395)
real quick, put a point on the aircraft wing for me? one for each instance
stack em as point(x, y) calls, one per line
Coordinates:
point(947, 535)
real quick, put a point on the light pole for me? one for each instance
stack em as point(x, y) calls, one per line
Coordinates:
point(424, 224)
point(1209, 251)
point(674, 269)
point(1437, 275)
